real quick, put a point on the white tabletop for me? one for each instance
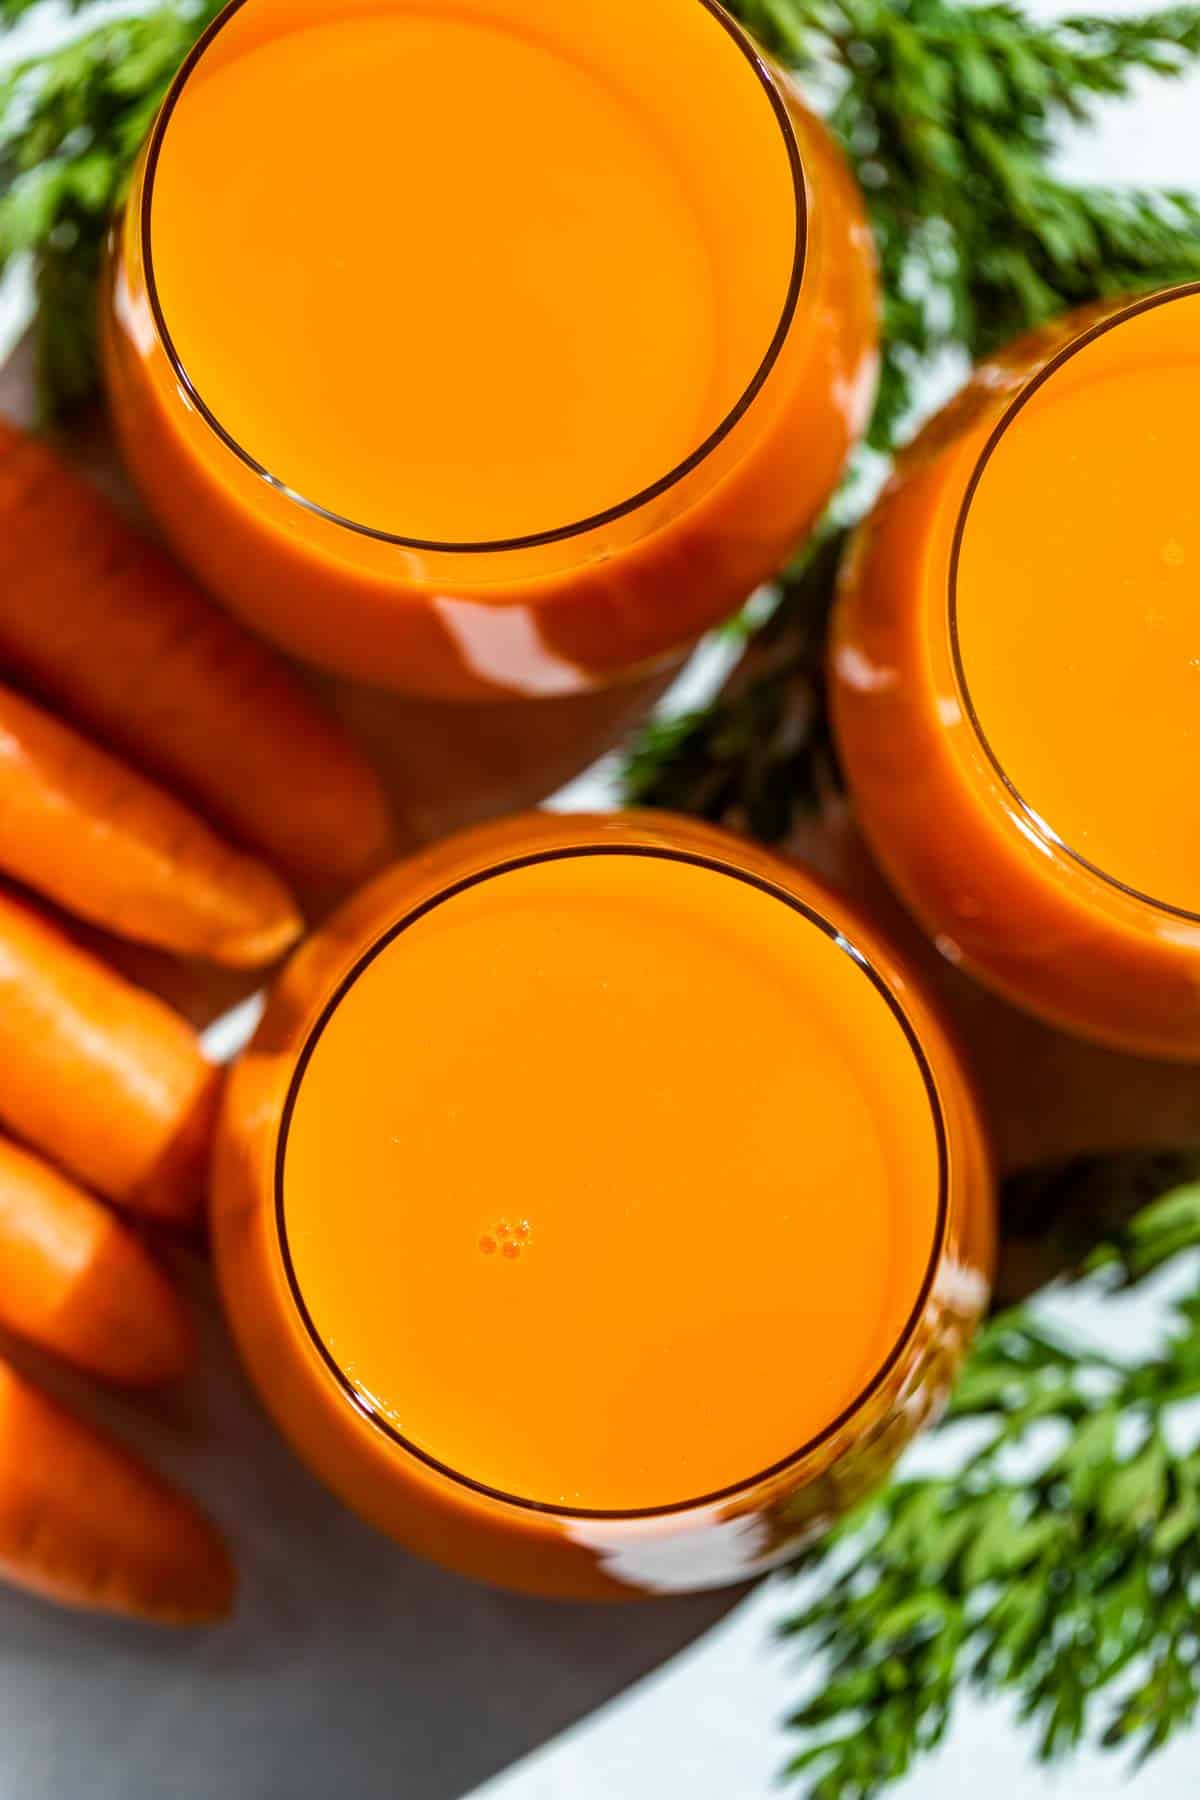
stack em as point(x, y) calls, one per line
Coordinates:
point(353, 1670)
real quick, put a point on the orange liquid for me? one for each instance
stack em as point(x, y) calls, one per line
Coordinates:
point(483, 390)
point(583, 1181)
point(1093, 605)
point(466, 276)
point(1053, 738)
point(607, 1183)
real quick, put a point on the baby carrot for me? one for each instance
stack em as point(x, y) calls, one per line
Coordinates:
point(82, 1522)
point(105, 626)
point(122, 853)
point(99, 1075)
point(76, 1281)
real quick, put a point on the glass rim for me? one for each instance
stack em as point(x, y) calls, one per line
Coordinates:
point(530, 540)
point(1044, 830)
point(888, 1365)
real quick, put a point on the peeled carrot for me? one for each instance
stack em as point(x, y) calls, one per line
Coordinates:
point(76, 1281)
point(99, 1075)
point(82, 1522)
point(122, 853)
point(105, 626)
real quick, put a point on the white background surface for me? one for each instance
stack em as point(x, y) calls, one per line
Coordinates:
point(354, 1672)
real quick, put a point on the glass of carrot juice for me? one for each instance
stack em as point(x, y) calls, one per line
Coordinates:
point(488, 349)
point(601, 1207)
point(1016, 676)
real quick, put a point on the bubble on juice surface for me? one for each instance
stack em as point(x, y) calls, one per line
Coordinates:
point(509, 1238)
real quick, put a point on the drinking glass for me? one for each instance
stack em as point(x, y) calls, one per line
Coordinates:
point(489, 350)
point(602, 1206)
point(1015, 672)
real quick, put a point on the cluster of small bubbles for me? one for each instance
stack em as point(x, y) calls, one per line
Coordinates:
point(508, 1239)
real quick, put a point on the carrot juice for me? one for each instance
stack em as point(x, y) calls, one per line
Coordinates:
point(1016, 674)
point(487, 347)
point(600, 1208)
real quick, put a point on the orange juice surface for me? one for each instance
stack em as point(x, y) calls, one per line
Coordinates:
point(609, 1180)
point(440, 276)
point(1078, 602)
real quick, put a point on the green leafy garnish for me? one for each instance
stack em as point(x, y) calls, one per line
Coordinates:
point(1059, 1564)
point(71, 123)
